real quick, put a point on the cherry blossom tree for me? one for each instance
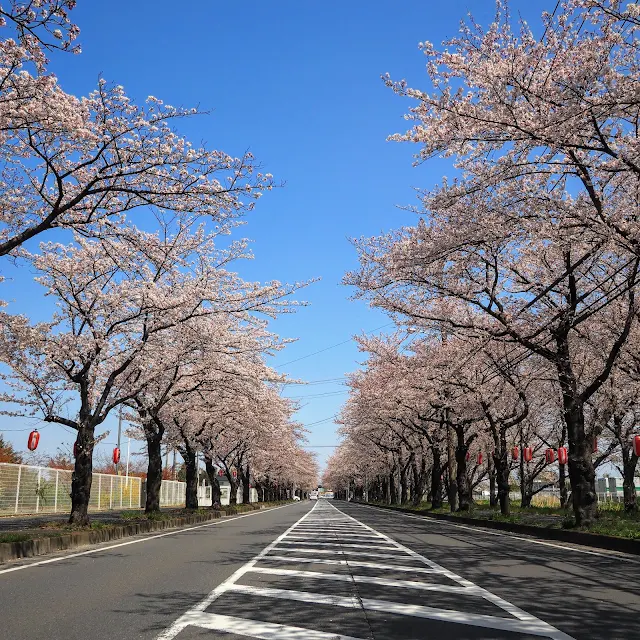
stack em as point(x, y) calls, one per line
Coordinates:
point(115, 298)
point(537, 237)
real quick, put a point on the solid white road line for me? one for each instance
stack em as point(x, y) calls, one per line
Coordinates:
point(479, 529)
point(382, 582)
point(257, 629)
point(39, 563)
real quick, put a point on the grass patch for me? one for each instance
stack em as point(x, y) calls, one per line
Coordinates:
point(15, 537)
point(612, 519)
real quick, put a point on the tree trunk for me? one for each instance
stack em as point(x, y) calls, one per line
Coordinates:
point(154, 469)
point(393, 490)
point(452, 486)
point(436, 480)
point(581, 472)
point(233, 490)
point(82, 477)
point(464, 497)
point(245, 485)
point(628, 480)
point(502, 478)
point(418, 482)
point(189, 456)
point(404, 492)
point(216, 493)
point(492, 464)
point(562, 483)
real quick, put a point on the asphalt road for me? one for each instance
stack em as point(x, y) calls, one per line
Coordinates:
point(325, 571)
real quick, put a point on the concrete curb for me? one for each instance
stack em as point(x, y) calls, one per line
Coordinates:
point(599, 541)
point(51, 544)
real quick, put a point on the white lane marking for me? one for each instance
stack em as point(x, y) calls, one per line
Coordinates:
point(340, 544)
point(258, 629)
point(324, 536)
point(183, 620)
point(415, 611)
point(515, 611)
point(479, 529)
point(371, 554)
point(333, 534)
point(312, 597)
point(139, 540)
point(355, 563)
point(382, 582)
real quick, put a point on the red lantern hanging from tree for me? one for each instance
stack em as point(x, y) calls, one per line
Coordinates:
point(550, 456)
point(468, 456)
point(527, 454)
point(75, 449)
point(221, 472)
point(636, 445)
point(562, 455)
point(116, 455)
point(32, 442)
point(595, 445)
point(515, 453)
point(480, 458)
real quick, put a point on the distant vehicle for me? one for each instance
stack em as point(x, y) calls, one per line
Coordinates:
point(327, 495)
point(296, 498)
point(313, 495)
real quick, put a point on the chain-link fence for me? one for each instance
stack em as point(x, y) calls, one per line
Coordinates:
point(28, 489)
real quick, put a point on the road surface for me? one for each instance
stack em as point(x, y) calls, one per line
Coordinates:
point(324, 571)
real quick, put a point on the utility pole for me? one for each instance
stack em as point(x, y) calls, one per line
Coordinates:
point(128, 451)
point(119, 436)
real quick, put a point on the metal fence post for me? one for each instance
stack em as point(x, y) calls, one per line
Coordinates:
point(120, 491)
point(111, 494)
point(38, 490)
point(130, 491)
point(18, 487)
point(55, 497)
point(99, 488)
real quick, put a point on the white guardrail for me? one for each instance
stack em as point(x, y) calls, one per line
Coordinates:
point(29, 489)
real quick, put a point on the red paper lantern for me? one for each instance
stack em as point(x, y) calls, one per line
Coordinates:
point(515, 453)
point(550, 456)
point(75, 449)
point(562, 455)
point(220, 472)
point(234, 473)
point(527, 454)
point(34, 438)
point(480, 458)
point(636, 445)
point(595, 445)
point(116, 455)
point(468, 456)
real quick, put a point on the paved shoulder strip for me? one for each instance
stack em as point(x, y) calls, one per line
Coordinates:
point(322, 572)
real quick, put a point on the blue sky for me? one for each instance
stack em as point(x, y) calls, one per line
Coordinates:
point(297, 83)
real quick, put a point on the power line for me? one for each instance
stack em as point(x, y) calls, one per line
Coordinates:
point(320, 395)
point(335, 415)
point(333, 346)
